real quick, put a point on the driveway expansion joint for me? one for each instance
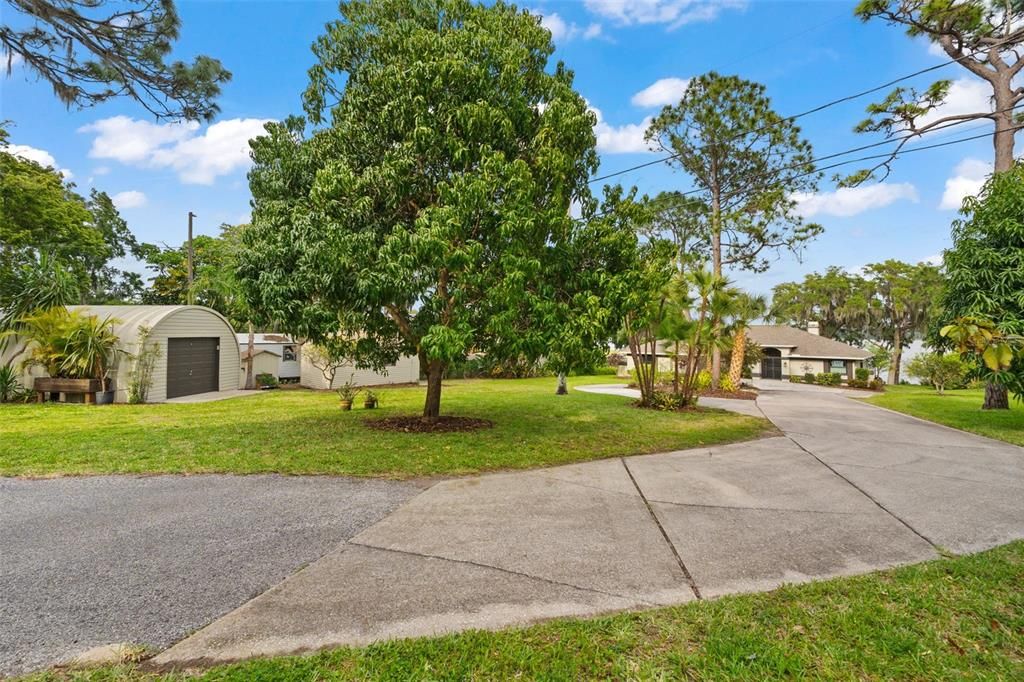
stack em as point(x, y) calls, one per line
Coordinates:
point(866, 494)
point(508, 571)
point(664, 534)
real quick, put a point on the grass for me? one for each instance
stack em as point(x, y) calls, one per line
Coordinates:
point(304, 432)
point(959, 409)
point(949, 619)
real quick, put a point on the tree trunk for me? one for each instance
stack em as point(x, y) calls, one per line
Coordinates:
point(996, 397)
point(716, 265)
point(432, 406)
point(896, 357)
point(739, 352)
point(1006, 127)
point(250, 380)
point(563, 387)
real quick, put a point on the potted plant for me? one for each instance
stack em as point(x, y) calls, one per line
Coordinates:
point(76, 350)
point(370, 400)
point(347, 392)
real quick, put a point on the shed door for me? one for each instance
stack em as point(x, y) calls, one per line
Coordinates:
point(193, 366)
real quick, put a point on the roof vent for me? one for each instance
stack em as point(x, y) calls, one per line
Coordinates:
point(812, 328)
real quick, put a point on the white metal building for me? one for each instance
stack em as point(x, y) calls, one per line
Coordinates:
point(405, 371)
point(198, 353)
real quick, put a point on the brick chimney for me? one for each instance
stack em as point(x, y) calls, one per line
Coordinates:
point(813, 328)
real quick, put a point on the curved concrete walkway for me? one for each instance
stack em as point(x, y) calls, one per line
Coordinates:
point(849, 488)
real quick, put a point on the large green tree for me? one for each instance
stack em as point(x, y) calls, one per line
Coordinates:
point(746, 163)
point(985, 266)
point(681, 221)
point(40, 212)
point(428, 214)
point(985, 38)
point(834, 299)
point(904, 301)
point(90, 51)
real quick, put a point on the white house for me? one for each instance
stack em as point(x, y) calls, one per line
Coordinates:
point(275, 354)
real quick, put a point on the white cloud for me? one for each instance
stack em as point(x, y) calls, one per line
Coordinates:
point(850, 201)
point(563, 31)
point(966, 96)
point(40, 156)
point(129, 199)
point(675, 13)
point(624, 139)
point(661, 92)
point(970, 175)
point(198, 158)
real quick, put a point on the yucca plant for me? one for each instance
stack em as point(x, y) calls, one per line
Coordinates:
point(8, 383)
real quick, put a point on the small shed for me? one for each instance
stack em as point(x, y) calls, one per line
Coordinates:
point(287, 351)
point(198, 352)
point(263, 362)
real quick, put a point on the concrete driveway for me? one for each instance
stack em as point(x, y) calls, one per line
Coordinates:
point(849, 488)
point(91, 561)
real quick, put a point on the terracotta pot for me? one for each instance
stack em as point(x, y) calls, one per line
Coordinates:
point(370, 404)
point(346, 404)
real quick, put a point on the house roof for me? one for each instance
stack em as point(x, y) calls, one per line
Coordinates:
point(262, 339)
point(129, 319)
point(257, 351)
point(803, 344)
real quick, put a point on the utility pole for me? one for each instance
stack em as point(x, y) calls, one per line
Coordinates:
point(191, 259)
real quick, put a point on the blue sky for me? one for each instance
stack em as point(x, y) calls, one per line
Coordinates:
point(629, 56)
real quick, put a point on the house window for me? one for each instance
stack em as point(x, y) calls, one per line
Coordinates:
point(837, 366)
point(288, 354)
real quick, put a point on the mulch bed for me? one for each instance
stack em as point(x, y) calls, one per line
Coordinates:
point(731, 395)
point(418, 425)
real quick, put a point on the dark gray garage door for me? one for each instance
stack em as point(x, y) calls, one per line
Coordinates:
point(193, 366)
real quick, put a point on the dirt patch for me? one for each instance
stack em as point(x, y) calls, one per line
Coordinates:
point(731, 395)
point(418, 425)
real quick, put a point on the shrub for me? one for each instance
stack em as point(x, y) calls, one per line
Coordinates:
point(703, 380)
point(877, 384)
point(616, 359)
point(809, 378)
point(266, 380)
point(857, 383)
point(725, 383)
point(828, 379)
point(664, 400)
point(863, 374)
point(940, 370)
point(794, 379)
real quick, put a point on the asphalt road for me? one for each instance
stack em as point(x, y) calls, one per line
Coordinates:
point(92, 561)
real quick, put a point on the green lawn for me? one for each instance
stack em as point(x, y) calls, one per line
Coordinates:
point(949, 619)
point(304, 432)
point(959, 409)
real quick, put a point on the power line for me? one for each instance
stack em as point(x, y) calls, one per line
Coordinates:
point(845, 162)
point(813, 110)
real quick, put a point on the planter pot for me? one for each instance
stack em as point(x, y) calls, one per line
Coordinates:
point(370, 404)
point(104, 397)
point(346, 404)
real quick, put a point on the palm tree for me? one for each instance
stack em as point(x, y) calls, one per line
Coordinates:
point(746, 309)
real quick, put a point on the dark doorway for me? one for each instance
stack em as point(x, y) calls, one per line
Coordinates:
point(771, 364)
point(193, 366)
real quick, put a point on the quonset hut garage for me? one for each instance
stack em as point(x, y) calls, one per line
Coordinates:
point(198, 350)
